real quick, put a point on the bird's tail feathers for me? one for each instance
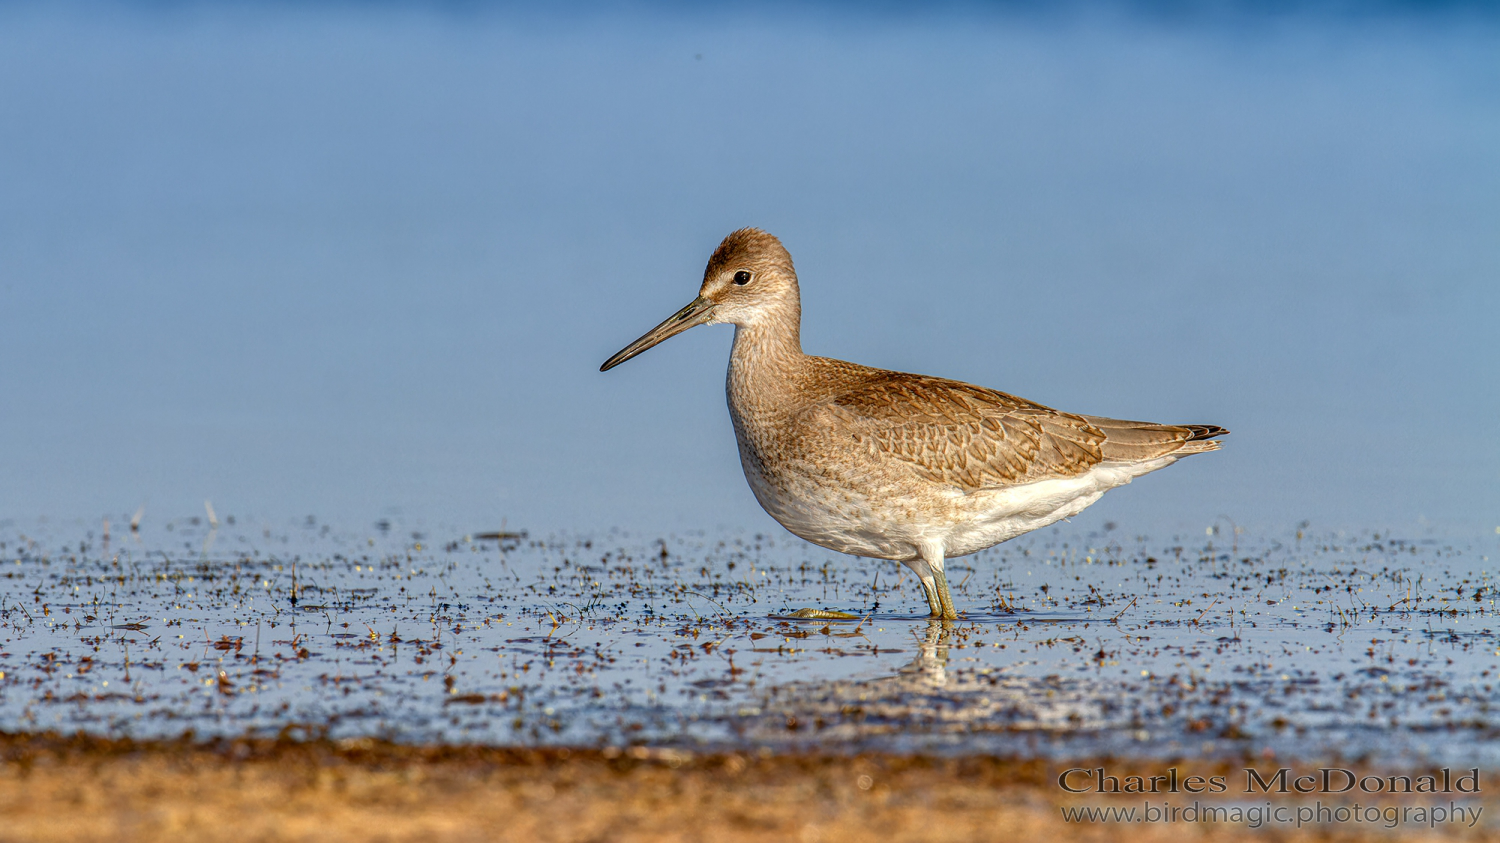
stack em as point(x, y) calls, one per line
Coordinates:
point(1134, 441)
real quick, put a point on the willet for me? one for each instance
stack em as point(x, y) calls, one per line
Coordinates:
point(890, 465)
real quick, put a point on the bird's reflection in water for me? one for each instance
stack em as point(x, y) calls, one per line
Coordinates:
point(931, 664)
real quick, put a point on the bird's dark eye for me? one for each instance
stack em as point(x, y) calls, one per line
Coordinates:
point(742, 278)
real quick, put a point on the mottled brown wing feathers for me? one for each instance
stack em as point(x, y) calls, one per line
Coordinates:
point(967, 436)
point(975, 438)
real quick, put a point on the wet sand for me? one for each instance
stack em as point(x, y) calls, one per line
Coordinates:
point(70, 789)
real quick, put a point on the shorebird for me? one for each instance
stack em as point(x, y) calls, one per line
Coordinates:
point(890, 465)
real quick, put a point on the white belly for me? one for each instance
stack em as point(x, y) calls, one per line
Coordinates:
point(894, 527)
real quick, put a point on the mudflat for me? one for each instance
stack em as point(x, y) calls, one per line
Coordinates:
point(602, 688)
point(71, 789)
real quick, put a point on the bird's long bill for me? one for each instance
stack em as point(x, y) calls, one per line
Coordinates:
point(696, 313)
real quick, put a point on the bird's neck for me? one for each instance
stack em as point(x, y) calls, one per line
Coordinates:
point(765, 361)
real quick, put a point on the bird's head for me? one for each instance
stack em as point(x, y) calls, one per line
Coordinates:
point(749, 281)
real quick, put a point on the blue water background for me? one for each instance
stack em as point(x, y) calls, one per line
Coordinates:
point(363, 261)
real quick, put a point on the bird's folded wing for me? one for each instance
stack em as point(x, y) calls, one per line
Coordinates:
point(966, 436)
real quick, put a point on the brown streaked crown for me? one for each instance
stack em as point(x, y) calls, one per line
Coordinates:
point(750, 248)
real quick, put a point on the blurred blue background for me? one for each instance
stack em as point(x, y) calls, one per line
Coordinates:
point(363, 261)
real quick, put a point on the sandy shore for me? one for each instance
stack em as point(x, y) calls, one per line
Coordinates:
point(56, 789)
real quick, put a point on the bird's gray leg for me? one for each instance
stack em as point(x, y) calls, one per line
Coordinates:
point(929, 584)
point(945, 598)
point(932, 554)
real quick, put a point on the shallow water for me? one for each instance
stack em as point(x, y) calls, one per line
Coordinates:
point(1372, 646)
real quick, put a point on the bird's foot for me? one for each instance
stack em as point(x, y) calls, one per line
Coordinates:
point(820, 615)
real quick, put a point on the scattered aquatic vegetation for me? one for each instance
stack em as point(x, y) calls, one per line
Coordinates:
point(1371, 646)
